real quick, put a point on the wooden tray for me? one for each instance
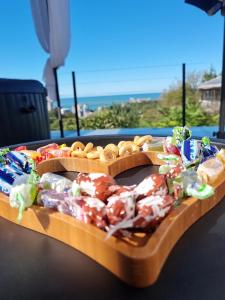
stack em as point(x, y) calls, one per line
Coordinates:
point(86, 165)
point(137, 260)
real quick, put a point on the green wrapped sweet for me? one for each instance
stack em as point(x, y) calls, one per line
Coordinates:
point(202, 191)
point(180, 134)
point(23, 193)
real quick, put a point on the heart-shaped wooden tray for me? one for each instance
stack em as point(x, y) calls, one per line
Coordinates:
point(137, 260)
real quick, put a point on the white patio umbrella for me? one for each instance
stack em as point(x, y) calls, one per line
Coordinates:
point(52, 25)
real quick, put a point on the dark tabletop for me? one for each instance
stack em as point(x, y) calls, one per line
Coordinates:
point(33, 266)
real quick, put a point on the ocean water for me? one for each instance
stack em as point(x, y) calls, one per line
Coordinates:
point(103, 101)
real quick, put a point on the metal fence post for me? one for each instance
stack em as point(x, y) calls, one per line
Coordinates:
point(75, 103)
point(183, 94)
point(58, 103)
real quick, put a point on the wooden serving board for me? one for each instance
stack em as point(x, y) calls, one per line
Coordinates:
point(86, 165)
point(137, 260)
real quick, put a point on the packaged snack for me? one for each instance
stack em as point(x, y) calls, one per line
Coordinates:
point(169, 147)
point(61, 152)
point(50, 198)
point(9, 174)
point(95, 185)
point(221, 155)
point(23, 193)
point(170, 159)
point(45, 149)
point(19, 160)
point(5, 187)
point(32, 154)
point(55, 182)
point(191, 152)
point(200, 191)
point(210, 170)
point(20, 148)
point(3, 152)
point(152, 146)
point(180, 134)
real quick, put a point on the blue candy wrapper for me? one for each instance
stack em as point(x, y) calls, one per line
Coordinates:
point(190, 151)
point(19, 160)
point(209, 151)
point(7, 174)
point(5, 187)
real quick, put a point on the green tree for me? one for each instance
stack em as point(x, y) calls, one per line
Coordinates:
point(207, 75)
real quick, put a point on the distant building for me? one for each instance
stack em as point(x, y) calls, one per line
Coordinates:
point(210, 94)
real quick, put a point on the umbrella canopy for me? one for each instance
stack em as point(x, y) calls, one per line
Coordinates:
point(211, 7)
point(52, 25)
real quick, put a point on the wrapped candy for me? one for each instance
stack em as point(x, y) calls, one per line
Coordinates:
point(50, 198)
point(5, 187)
point(192, 185)
point(170, 159)
point(210, 170)
point(94, 212)
point(152, 146)
point(95, 185)
point(75, 206)
point(3, 152)
point(208, 150)
point(154, 184)
point(8, 175)
point(171, 171)
point(121, 205)
point(23, 193)
point(191, 152)
point(200, 191)
point(151, 210)
point(19, 160)
point(55, 182)
point(45, 149)
point(221, 155)
point(169, 147)
point(61, 152)
point(180, 134)
point(118, 189)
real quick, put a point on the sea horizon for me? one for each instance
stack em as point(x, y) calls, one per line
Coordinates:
point(94, 102)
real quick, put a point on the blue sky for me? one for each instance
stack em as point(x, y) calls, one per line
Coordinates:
point(118, 46)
